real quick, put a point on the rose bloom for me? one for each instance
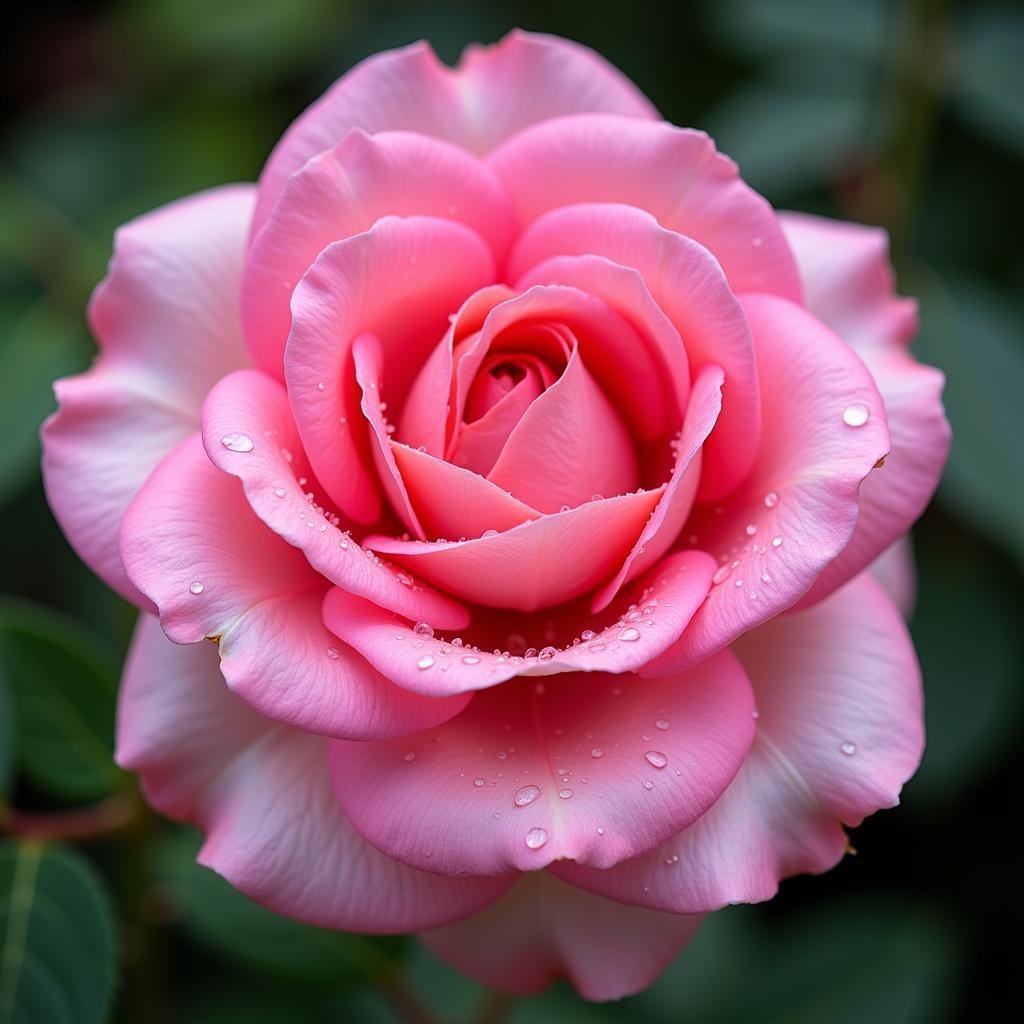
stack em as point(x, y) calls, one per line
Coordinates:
point(530, 474)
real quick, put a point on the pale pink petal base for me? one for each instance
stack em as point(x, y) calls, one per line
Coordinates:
point(543, 929)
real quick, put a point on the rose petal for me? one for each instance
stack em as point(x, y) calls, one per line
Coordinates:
point(494, 92)
point(839, 732)
point(648, 618)
point(537, 564)
point(895, 572)
point(277, 484)
point(262, 794)
point(675, 503)
point(673, 173)
point(689, 287)
point(550, 797)
point(542, 929)
point(166, 318)
point(798, 508)
point(398, 281)
point(344, 191)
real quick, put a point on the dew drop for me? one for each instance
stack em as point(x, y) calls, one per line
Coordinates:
point(425, 662)
point(489, 533)
point(195, 587)
point(320, 386)
point(478, 783)
point(587, 634)
point(856, 415)
point(332, 653)
point(404, 578)
point(771, 499)
point(776, 542)
point(279, 491)
point(470, 659)
point(547, 653)
point(629, 635)
point(662, 724)
point(750, 529)
point(237, 442)
point(600, 831)
point(565, 793)
point(423, 629)
point(848, 748)
point(721, 574)
point(525, 796)
point(656, 758)
point(597, 752)
point(410, 757)
point(648, 784)
point(536, 838)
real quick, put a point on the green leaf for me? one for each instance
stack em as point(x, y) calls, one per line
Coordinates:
point(58, 959)
point(63, 683)
point(991, 80)
point(972, 332)
point(231, 925)
point(38, 347)
point(847, 961)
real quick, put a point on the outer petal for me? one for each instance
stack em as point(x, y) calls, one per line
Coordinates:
point(188, 544)
point(895, 572)
point(543, 929)
point(262, 794)
point(798, 508)
point(494, 92)
point(343, 192)
point(277, 485)
point(687, 283)
point(645, 621)
point(849, 287)
point(398, 281)
point(848, 283)
point(536, 564)
point(166, 318)
point(460, 807)
point(673, 173)
point(839, 732)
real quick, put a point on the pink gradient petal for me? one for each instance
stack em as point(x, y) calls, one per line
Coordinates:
point(480, 442)
point(848, 282)
point(895, 573)
point(344, 191)
point(839, 732)
point(430, 811)
point(798, 509)
point(534, 565)
point(849, 286)
point(166, 319)
point(543, 929)
point(199, 570)
point(675, 174)
point(647, 620)
point(367, 359)
point(656, 386)
point(277, 484)
point(569, 445)
point(262, 794)
point(398, 281)
point(494, 92)
point(688, 285)
point(452, 502)
point(675, 503)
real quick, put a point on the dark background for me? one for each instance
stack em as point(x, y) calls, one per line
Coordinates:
point(908, 115)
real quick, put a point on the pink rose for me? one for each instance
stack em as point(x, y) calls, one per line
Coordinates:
point(496, 375)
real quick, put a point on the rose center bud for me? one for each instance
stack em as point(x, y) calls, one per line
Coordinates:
point(526, 413)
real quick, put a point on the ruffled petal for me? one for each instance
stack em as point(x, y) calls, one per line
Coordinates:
point(824, 431)
point(543, 929)
point(188, 542)
point(262, 794)
point(839, 732)
point(494, 92)
point(166, 319)
point(576, 767)
point(399, 281)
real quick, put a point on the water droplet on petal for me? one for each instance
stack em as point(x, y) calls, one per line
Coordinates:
point(526, 796)
point(425, 662)
point(600, 831)
point(332, 653)
point(410, 757)
point(648, 784)
point(771, 499)
point(848, 748)
point(423, 629)
point(536, 838)
point(597, 752)
point(776, 542)
point(237, 442)
point(279, 491)
point(721, 574)
point(856, 415)
point(565, 793)
point(195, 587)
point(547, 653)
point(478, 782)
point(470, 659)
point(320, 386)
point(656, 758)
point(662, 724)
point(587, 634)
point(629, 635)
point(489, 533)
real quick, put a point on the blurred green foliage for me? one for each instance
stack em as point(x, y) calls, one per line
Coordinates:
point(906, 114)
